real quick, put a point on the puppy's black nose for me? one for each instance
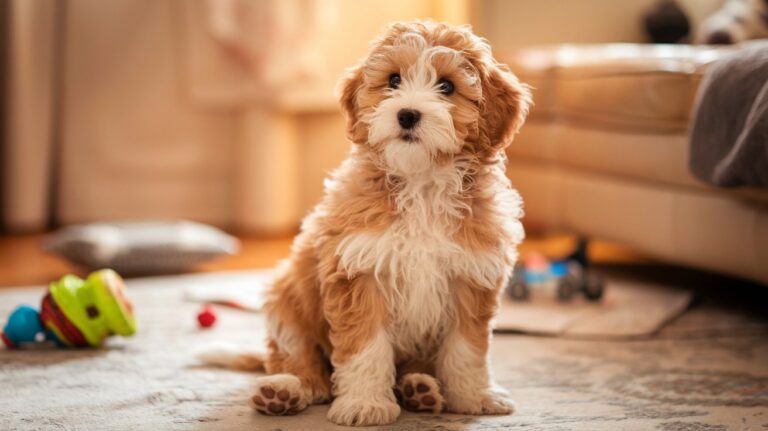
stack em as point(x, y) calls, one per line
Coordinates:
point(408, 118)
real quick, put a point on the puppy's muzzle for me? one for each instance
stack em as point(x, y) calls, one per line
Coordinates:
point(408, 118)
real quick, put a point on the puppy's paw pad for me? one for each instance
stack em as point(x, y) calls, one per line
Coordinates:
point(350, 411)
point(278, 395)
point(420, 393)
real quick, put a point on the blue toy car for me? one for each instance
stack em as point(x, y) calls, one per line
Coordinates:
point(565, 279)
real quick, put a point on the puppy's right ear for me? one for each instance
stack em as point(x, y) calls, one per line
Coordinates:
point(347, 89)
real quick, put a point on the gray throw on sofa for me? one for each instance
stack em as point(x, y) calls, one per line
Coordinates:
point(729, 133)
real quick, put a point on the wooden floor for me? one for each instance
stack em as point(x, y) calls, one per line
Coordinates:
point(24, 263)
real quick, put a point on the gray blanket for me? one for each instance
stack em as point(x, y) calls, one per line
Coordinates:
point(729, 133)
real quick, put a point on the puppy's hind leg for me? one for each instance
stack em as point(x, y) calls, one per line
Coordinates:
point(298, 378)
point(300, 371)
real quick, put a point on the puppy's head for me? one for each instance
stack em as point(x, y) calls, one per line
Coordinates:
point(428, 92)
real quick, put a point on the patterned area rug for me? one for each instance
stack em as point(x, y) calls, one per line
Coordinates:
point(706, 371)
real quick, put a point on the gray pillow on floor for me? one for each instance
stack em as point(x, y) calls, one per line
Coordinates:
point(138, 248)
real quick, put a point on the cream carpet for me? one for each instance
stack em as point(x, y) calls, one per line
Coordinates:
point(706, 371)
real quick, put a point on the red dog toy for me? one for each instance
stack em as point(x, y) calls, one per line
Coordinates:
point(207, 317)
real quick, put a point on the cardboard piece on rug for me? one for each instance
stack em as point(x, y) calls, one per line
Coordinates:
point(629, 308)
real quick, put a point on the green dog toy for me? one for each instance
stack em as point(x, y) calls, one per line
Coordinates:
point(76, 313)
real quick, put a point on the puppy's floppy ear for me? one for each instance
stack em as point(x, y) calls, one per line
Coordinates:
point(506, 103)
point(347, 89)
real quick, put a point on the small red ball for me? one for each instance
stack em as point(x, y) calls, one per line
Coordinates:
point(207, 317)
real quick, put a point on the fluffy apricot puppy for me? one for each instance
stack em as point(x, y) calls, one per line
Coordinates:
point(387, 297)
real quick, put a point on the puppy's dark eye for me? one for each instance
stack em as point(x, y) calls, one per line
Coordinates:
point(394, 80)
point(445, 86)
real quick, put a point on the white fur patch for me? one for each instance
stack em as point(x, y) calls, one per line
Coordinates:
point(467, 384)
point(434, 132)
point(416, 258)
point(405, 158)
point(363, 386)
point(286, 339)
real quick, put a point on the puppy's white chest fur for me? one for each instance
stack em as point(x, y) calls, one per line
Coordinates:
point(416, 259)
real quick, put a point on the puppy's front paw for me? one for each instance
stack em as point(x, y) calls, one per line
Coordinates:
point(489, 401)
point(348, 410)
point(278, 394)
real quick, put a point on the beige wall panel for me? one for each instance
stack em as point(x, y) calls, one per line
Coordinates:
point(131, 146)
point(267, 189)
point(30, 96)
point(323, 145)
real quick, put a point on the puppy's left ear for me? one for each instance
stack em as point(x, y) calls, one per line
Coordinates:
point(506, 104)
point(347, 89)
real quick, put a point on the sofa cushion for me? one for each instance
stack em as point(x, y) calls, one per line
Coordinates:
point(648, 88)
point(661, 158)
point(712, 231)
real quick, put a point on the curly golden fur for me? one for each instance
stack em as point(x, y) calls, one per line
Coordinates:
point(399, 268)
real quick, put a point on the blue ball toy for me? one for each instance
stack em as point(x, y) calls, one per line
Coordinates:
point(23, 327)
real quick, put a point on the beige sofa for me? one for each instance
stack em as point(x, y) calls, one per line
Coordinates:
point(605, 155)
